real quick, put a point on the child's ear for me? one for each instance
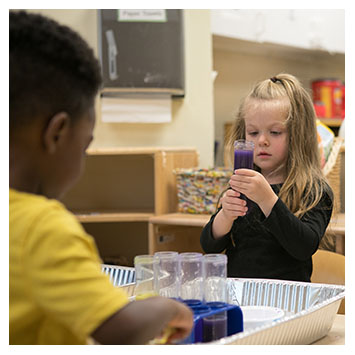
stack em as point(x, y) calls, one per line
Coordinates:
point(56, 129)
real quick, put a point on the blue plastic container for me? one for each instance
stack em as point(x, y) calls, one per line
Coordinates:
point(210, 321)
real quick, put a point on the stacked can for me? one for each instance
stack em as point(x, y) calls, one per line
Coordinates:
point(329, 98)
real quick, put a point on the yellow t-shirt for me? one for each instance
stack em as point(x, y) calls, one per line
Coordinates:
point(58, 294)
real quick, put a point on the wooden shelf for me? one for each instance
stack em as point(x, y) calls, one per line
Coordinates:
point(121, 189)
point(94, 217)
point(181, 219)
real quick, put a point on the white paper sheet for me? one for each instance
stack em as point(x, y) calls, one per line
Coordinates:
point(132, 108)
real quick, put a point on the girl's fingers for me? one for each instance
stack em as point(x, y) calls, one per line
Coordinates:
point(233, 205)
point(240, 179)
point(232, 193)
point(235, 209)
point(234, 201)
point(236, 213)
point(246, 172)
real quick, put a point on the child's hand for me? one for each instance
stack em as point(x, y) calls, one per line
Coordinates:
point(232, 208)
point(181, 325)
point(232, 205)
point(254, 186)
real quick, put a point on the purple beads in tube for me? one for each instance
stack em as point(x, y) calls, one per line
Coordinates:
point(244, 159)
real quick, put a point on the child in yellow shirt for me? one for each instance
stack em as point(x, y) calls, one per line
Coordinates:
point(57, 292)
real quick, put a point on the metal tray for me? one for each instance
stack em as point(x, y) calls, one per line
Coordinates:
point(310, 308)
point(119, 275)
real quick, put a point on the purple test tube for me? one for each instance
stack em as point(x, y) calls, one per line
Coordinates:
point(215, 326)
point(244, 159)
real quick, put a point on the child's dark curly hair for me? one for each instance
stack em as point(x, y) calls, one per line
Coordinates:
point(52, 69)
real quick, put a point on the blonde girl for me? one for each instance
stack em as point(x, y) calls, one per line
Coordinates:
point(291, 200)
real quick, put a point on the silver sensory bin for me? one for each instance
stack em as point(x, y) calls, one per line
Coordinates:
point(310, 308)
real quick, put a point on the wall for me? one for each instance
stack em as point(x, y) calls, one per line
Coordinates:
point(191, 115)
point(239, 70)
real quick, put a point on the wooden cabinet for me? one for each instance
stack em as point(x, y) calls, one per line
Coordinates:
point(176, 231)
point(120, 190)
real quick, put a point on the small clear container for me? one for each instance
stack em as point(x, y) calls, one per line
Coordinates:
point(191, 280)
point(215, 295)
point(146, 269)
point(215, 281)
point(168, 274)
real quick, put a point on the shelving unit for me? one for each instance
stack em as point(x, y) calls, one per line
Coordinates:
point(121, 189)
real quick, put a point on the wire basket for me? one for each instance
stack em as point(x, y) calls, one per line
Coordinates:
point(333, 172)
point(199, 189)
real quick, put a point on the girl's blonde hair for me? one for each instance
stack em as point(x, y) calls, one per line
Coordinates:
point(305, 183)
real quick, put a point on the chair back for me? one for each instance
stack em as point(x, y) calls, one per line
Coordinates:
point(329, 268)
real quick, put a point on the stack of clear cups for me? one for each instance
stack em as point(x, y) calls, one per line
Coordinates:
point(215, 295)
point(191, 281)
point(168, 273)
point(146, 269)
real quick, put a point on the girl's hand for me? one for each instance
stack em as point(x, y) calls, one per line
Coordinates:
point(232, 208)
point(232, 205)
point(254, 186)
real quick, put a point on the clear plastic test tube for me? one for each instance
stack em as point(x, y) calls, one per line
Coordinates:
point(168, 273)
point(215, 296)
point(215, 281)
point(191, 280)
point(146, 268)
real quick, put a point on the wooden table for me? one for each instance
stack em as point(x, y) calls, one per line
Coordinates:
point(336, 335)
point(181, 232)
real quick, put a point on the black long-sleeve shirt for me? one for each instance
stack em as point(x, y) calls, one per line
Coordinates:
point(277, 247)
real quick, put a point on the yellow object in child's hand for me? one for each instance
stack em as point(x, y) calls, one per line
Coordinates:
point(164, 338)
point(167, 332)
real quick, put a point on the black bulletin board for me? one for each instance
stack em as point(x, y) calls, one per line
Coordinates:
point(142, 55)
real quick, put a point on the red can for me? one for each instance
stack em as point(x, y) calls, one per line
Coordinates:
point(331, 94)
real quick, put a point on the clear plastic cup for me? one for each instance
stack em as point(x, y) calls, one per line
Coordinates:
point(215, 277)
point(146, 268)
point(168, 273)
point(191, 280)
point(215, 295)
